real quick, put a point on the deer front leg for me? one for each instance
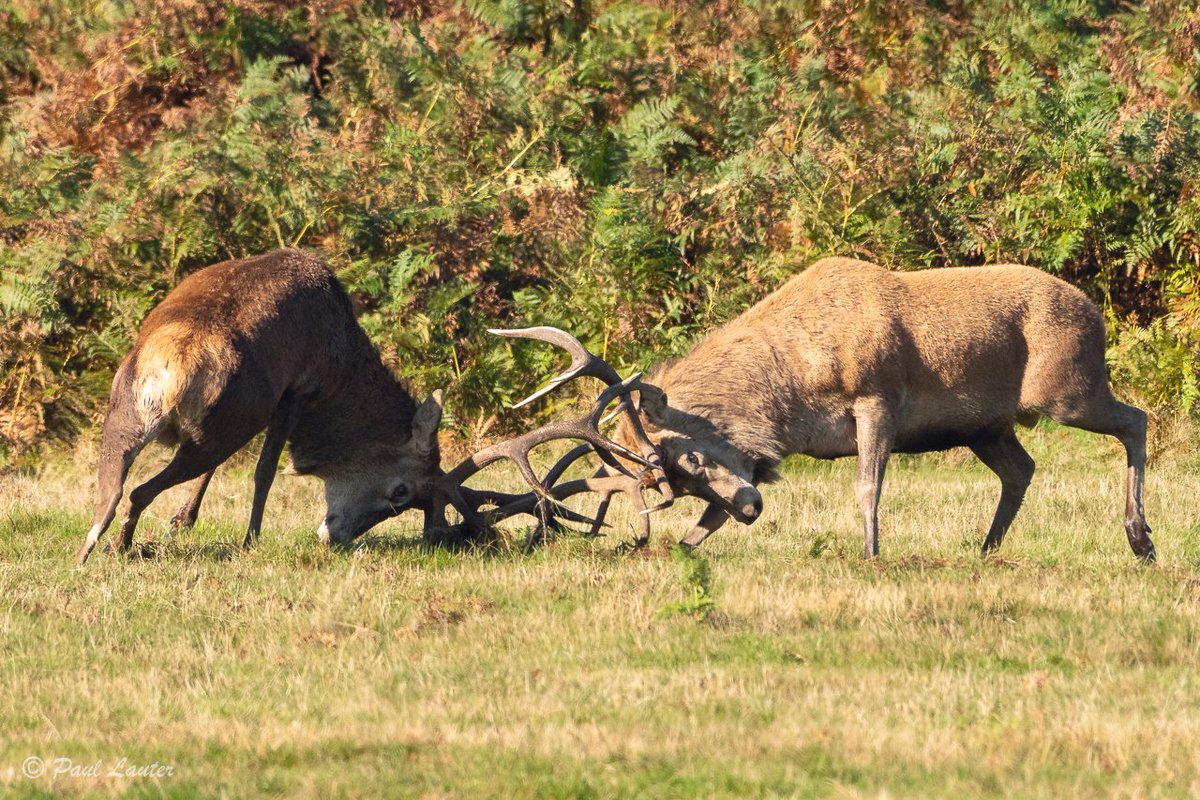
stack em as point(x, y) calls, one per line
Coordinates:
point(278, 431)
point(875, 435)
point(713, 517)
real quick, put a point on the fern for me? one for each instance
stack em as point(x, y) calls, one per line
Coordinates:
point(649, 130)
point(19, 296)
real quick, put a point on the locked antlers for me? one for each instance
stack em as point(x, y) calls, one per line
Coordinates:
point(545, 501)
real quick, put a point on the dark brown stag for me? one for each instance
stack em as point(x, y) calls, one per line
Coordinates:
point(265, 343)
point(271, 343)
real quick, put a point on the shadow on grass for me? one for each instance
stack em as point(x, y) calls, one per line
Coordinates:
point(969, 561)
point(452, 540)
point(171, 550)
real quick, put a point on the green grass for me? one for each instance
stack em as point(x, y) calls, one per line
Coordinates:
point(1061, 669)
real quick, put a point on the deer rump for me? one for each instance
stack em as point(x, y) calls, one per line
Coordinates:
point(850, 359)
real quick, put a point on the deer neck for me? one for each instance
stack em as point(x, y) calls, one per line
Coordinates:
point(364, 414)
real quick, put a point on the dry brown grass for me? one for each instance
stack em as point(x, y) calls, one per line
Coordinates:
point(1060, 669)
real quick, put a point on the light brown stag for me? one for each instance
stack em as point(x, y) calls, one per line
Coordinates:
point(850, 359)
point(271, 343)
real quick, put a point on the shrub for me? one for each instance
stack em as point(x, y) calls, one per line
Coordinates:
point(637, 172)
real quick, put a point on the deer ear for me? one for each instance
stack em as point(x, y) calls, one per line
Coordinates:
point(653, 403)
point(425, 423)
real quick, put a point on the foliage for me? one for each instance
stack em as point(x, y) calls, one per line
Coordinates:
point(636, 171)
point(696, 576)
point(1158, 365)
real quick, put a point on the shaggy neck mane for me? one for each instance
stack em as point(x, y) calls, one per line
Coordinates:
point(368, 418)
point(709, 396)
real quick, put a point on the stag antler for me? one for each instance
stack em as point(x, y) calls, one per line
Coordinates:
point(587, 428)
point(584, 362)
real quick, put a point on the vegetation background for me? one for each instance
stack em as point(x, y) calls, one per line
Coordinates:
point(635, 171)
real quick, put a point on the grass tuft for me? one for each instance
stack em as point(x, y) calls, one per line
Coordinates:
point(696, 577)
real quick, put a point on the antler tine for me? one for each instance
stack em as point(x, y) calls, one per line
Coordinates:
point(561, 466)
point(583, 361)
point(497, 498)
point(517, 449)
point(601, 513)
point(545, 494)
point(618, 388)
point(526, 502)
point(616, 412)
point(480, 497)
point(604, 484)
point(658, 474)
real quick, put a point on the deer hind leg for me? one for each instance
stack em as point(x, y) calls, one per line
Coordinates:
point(125, 436)
point(1128, 424)
point(713, 517)
point(114, 468)
point(190, 461)
point(1133, 436)
point(1005, 456)
point(190, 511)
point(875, 434)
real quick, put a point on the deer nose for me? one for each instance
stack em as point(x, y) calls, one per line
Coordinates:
point(748, 503)
point(753, 509)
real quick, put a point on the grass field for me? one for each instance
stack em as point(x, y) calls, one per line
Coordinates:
point(1061, 669)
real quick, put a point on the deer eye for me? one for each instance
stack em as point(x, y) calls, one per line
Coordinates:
point(691, 461)
point(399, 493)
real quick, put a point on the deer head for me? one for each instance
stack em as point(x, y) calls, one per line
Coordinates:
point(382, 480)
point(697, 459)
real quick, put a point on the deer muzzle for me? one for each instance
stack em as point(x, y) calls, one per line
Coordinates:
point(747, 505)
